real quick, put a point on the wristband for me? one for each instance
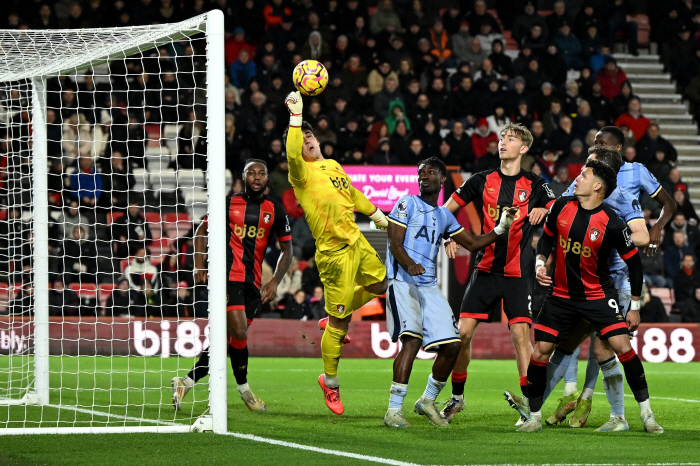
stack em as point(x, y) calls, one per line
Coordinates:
point(539, 263)
point(636, 305)
point(295, 120)
point(499, 230)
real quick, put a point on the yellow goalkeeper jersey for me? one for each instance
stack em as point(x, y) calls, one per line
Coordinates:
point(325, 193)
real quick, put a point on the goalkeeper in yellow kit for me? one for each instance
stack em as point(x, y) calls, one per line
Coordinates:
point(343, 256)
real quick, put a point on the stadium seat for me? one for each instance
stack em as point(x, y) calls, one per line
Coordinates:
point(643, 29)
point(176, 224)
point(666, 297)
point(104, 291)
point(196, 202)
point(159, 247)
point(157, 158)
point(154, 224)
point(190, 178)
point(84, 290)
point(153, 135)
point(163, 180)
point(140, 179)
point(113, 216)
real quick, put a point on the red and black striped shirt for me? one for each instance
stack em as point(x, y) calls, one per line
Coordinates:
point(511, 255)
point(250, 224)
point(583, 241)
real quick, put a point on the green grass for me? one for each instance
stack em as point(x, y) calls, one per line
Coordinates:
point(483, 434)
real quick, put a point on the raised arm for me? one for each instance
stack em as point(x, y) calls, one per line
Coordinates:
point(667, 213)
point(200, 252)
point(295, 140)
point(476, 242)
point(640, 234)
point(363, 206)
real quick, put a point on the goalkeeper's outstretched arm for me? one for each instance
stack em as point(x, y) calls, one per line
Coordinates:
point(363, 206)
point(295, 140)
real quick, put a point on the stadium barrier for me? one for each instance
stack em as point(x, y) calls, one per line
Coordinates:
point(274, 337)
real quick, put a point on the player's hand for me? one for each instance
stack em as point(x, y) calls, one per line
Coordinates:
point(294, 103)
point(451, 248)
point(416, 269)
point(654, 240)
point(633, 320)
point(542, 277)
point(379, 219)
point(200, 276)
point(506, 221)
point(537, 215)
point(269, 291)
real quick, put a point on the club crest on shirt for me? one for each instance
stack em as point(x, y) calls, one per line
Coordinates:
point(341, 308)
point(402, 206)
point(522, 195)
point(267, 216)
point(595, 234)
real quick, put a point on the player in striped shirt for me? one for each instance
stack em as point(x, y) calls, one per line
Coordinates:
point(417, 312)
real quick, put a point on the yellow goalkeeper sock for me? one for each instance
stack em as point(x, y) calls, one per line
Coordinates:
point(361, 297)
point(331, 346)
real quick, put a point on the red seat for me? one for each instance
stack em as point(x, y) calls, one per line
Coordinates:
point(84, 290)
point(643, 29)
point(3, 214)
point(153, 133)
point(154, 224)
point(160, 246)
point(104, 291)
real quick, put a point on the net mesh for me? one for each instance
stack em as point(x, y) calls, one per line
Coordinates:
point(126, 146)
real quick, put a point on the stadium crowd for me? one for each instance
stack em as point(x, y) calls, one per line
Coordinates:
point(408, 80)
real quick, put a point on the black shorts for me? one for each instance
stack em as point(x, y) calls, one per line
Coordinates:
point(484, 294)
point(242, 296)
point(559, 317)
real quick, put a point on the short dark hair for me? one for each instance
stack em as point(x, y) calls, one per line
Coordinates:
point(608, 156)
point(435, 162)
point(251, 161)
point(615, 131)
point(305, 126)
point(605, 173)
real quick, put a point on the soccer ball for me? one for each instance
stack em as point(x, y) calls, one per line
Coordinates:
point(310, 77)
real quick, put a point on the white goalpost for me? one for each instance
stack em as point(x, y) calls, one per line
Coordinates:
point(111, 152)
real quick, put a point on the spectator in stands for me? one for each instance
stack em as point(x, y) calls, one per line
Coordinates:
point(633, 119)
point(535, 41)
point(523, 114)
point(584, 121)
point(685, 207)
point(540, 141)
point(524, 22)
point(653, 310)
point(621, 102)
point(551, 119)
point(290, 283)
point(481, 138)
point(377, 77)
point(71, 216)
point(561, 182)
point(569, 47)
point(553, 66)
point(440, 43)
point(650, 143)
point(80, 260)
point(611, 79)
point(131, 231)
point(475, 55)
point(571, 99)
point(487, 37)
point(140, 271)
point(479, 16)
point(120, 300)
point(385, 19)
point(77, 137)
point(558, 17)
point(317, 304)
point(63, 301)
point(591, 43)
point(296, 306)
point(690, 308)
point(383, 99)
point(23, 302)
point(235, 44)
point(498, 118)
point(662, 170)
point(86, 182)
point(653, 267)
point(242, 70)
point(616, 13)
point(673, 255)
point(686, 280)
point(316, 48)
point(117, 182)
point(461, 40)
point(490, 160)
point(600, 105)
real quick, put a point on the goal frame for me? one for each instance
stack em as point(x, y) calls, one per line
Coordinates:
point(212, 24)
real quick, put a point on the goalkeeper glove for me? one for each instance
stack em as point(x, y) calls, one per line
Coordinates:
point(504, 224)
point(295, 106)
point(379, 219)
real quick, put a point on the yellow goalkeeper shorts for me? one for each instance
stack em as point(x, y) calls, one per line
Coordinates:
point(340, 270)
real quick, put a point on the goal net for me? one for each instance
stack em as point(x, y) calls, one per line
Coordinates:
point(110, 156)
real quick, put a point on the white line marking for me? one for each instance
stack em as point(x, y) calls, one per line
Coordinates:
point(116, 416)
point(298, 446)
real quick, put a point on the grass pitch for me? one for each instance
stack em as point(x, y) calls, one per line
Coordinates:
point(483, 434)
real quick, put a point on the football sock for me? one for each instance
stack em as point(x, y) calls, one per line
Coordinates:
point(458, 381)
point(634, 373)
point(558, 364)
point(433, 389)
point(238, 352)
point(587, 394)
point(571, 374)
point(331, 347)
point(201, 367)
point(592, 369)
point(570, 388)
point(243, 388)
point(523, 386)
point(613, 383)
point(537, 381)
point(361, 297)
point(644, 406)
point(398, 393)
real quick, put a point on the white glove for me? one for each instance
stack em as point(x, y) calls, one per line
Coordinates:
point(504, 224)
point(379, 219)
point(295, 106)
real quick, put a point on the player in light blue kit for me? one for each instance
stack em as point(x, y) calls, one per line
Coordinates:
point(417, 312)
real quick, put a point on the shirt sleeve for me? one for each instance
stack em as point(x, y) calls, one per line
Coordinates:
point(622, 238)
point(297, 166)
point(648, 181)
point(550, 223)
point(545, 195)
point(630, 208)
point(471, 189)
point(452, 226)
point(281, 226)
point(402, 211)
